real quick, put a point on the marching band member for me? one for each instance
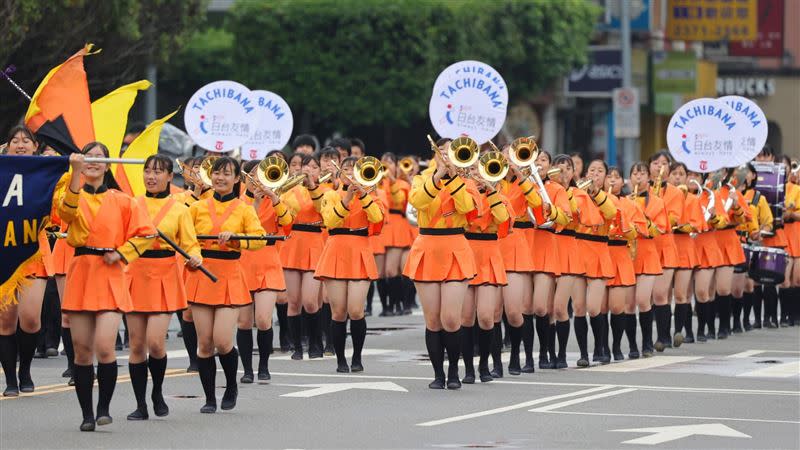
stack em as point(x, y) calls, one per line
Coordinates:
point(484, 294)
point(156, 285)
point(346, 265)
point(107, 229)
point(689, 223)
point(623, 230)
point(215, 306)
point(780, 240)
point(441, 262)
point(300, 255)
point(264, 276)
point(791, 221)
point(647, 263)
point(27, 310)
point(396, 234)
point(329, 157)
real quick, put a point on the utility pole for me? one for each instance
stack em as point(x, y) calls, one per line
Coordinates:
point(628, 152)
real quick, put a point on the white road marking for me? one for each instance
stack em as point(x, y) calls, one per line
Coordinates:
point(511, 407)
point(664, 416)
point(633, 365)
point(331, 388)
point(667, 434)
point(751, 353)
point(786, 370)
point(581, 400)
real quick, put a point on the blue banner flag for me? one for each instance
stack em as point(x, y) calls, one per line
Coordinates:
point(27, 184)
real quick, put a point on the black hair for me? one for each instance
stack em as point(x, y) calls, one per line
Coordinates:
point(442, 141)
point(564, 159)
point(108, 177)
point(601, 161)
point(767, 151)
point(342, 143)
point(24, 130)
point(308, 158)
point(349, 160)
point(226, 161)
point(159, 162)
point(616, 169)
point(640, 167)
point(390, 156)
point(659, 154)
point(249, 165)
point(304, 139)
point(549, 156)
point(277, 153)
point(356, 142)
point(136, 127)
point(329, 152)
point(786, 160)
point(295, 155)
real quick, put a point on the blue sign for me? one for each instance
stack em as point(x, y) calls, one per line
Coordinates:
point(639, 14)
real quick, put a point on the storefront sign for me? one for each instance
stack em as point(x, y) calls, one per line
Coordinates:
point(599, 76)
point(769, 40)
point(712, 20)
point(746, 86)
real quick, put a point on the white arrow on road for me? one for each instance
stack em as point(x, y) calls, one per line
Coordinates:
point(666, 434)
point(330, 388)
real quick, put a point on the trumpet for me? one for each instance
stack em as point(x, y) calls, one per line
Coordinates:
point(584, 184)
point(657, 185)
point(406, 165)
point(523, 152)
point(463, 152)
point(205, 170)
point(272, 172)
point(493, 166)
point(368, 171)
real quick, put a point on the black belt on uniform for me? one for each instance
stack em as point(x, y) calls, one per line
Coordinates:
point(81, 251)
point(617, 243)
point(788, 220)
point(591, 237)
point(399, 212)
point(441, 231)
point(729, 227)
point(348, 232)
point(523, 225)
point(159, 254)
point(481, 236)
point(219, 254)
point(680, 232)
point(308, 228)
point(567, 233)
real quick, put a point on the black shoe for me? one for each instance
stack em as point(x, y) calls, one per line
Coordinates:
point(118, 347)
point(737, 330)
point(722, 335)
point(484, 375)
point(453, 383)
point(139, 414)
point(712, 336)
point(528, 367)
point(748, 326)
point(71, 381)
point(437, 383)
point(618, 356)
point(180, 334)
point(772, 324)
point(315, 354)
point(757, 324)
point(209, 408)
point(104, 420)
point(407, 312)
point(160, 408)
point(356, 366)
point(51, 352)
point(561, 362)
point(192, 367)
point(229, 398)
point(647, 352)
point(469, 377)
point(67, 373)
point(689, 339)
point(11, 391)
point(784, 322)
point(26, 384)
point(342, 367)
point(87, 425)
point(546, 364)
point(285, 348)
point(659, 346)
point(633, 354)
point(329, 351)
point(605, 358)
point(247, 378)
point(583, 361)
point(497, 372)
point(701, 338)
point(678, 340)
point(367, 313)
point(513, 367)
point(263, 375)
point(297, 355)
point(38, 354)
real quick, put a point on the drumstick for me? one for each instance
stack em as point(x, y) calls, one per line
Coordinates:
point(212, 237)
point(183, 253)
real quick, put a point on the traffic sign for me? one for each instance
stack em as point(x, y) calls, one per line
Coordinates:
point(626, 113)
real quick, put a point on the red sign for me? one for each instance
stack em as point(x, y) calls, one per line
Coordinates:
point(770, 32)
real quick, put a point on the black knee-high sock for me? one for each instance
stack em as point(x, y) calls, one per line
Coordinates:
point(617, 329)
point(711, 316)
point(106, 382)
point(324, 320)
point(737, 305)
point(724, 309)
point(295, 332)
point(358, 332)
point(630, 331)
point(69, 350)
point(747, 307)
point(158, 367)
point(484, 348)
point(758, 301)
point(700, 310)
point(8, 358)
point(312, 328)
point(467, 348)
point(435, 345)
point(551, 342)
point(688, 323)
point(138, 372)
point(370, 294)
point(497, 345)
point(662, 313)
point(26, 345)
point(597, 333)
point(411, 292)
point(339, 335)
point(562, 329)
point(383, 290)
point(783, 295)
point(604, 337)
point(84, 379)
point(452, 342)
point(230, 365)
point(208, 376)
point(646, 323)
point(515, 336)
point(681, 311)
point(283, 323)
point(244, 340)
point(264, 340)
point(581, 334)
point(527, 337)
point(395, 287)
point(542, 330)
point(190, 339)
point(771, 303)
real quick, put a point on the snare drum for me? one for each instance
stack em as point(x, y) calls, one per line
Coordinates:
point(771, 183)
point(767, 265)
point(744, 267)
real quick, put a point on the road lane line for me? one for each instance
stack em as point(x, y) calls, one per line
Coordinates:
point(503, 409)
point(751, 353)
point(633, 365)
point(786, 370)
point(664, 416)
point(581, 400)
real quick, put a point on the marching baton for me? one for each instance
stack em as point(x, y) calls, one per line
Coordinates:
point(114, 160)
point(235, 237)
point(183, 253)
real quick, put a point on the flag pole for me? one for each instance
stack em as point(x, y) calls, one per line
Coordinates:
point(8, 71)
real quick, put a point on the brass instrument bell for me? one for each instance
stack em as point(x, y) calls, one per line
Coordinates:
point(493, 166)
point(368, 171)
point(272, 172)
point(463, 152)
point(523, 152)
point(205, 169)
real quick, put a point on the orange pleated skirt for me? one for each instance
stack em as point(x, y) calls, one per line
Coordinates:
point(156, 284)
point(262, 269)
point(301, 251)
point(516, 251)
point(708, 253)
point(793, 238)
point(489, 263)
point(667, 250)
point(569, 257)
point(779, 240)
point(396, 232)
point(621, 265)
point(37, 269)
point(440, 258)
point(648, 261)
point(596, 258)
point(94, 286)
point(229, 290)
point(347, 257)
point(730, 246)
point(376, 244)
point(62, 255)
point(687, 252)
point(546, 255)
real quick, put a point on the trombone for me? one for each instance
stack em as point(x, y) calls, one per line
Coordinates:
point(406, 165)
point(463, 153)
point(493, 166)
point(367, 173)
point(204, 174)
point(523, 153)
